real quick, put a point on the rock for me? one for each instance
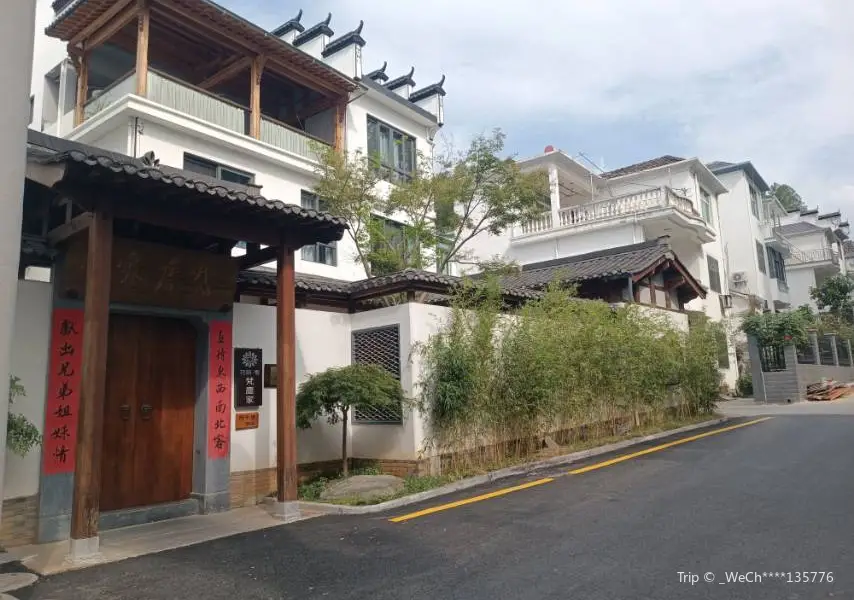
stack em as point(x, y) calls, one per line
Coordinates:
point(363, 487)
point(9, 582)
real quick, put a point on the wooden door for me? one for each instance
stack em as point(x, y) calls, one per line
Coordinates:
point(149, 412)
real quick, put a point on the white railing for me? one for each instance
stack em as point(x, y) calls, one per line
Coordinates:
point(811, 256)
point(288, 139)
point(116, 91)
point(179, 96)
point(600, 210)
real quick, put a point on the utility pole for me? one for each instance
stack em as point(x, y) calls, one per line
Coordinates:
point(17, 36)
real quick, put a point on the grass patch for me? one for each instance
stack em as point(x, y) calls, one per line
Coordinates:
point(414, 484)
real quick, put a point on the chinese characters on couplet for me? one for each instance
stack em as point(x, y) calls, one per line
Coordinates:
point(60, 440)
point(219, 420)
point(248, 377)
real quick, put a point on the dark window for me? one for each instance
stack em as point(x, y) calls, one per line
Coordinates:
point(754, 201)
point(390, 247)
point(393, 150)
point(714, 274)
point(203, 166)
point(381, 347)
point(776, 265)
point(760, 257)
point(326, 254)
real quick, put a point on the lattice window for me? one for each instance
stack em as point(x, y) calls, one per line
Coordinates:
point(379, 346)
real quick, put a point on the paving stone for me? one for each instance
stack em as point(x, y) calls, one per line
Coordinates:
point(9, 582)
point(363, 487)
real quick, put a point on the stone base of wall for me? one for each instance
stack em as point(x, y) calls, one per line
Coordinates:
point(398, 468)
point(19, 525)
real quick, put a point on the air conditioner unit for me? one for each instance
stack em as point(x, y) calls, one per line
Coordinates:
point(726, 301)
point(739, 278)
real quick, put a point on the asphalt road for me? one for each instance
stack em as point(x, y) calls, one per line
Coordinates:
point(777, 496)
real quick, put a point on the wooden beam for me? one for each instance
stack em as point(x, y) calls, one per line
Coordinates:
point(98, 23)
point(85, 511)
point(186, 220)
point(226, 73)
point(286, 430)
point(341, 125)
point(255, 96)
point(72, 227)
point(243, 45)
point(82, 88)
point(259, 257)
point(143, 31)
point(111, 28)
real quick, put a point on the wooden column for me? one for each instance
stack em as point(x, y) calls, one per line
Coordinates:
point(87, 477)
point(255, 97)
point(341, 125)
point(82, 64)
point(142, 37)
point(286, 428)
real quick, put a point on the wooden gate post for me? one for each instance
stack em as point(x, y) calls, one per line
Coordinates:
point(87, 477)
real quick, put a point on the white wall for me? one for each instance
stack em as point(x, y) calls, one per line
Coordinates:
point(30, 344)
point(800, 282)
point(323, 341)
point(391, 442)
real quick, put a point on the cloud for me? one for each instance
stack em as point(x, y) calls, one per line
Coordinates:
point(771, 81)
point(767, 80)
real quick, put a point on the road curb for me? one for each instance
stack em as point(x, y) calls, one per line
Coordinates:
point(524, 469)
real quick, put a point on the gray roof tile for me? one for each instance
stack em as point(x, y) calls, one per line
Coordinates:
point(798, 228)
point(643, 166)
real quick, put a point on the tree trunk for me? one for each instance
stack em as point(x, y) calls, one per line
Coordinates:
point(345, 467)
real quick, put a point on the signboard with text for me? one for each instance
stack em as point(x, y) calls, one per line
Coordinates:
point(248, 381)
point(219, 390)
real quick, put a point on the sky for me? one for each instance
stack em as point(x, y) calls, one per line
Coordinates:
point(621, 81)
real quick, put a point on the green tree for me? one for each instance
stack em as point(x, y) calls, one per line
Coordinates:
point(450, 199)
point(788, 197)
point(834, 296)
point(334, 392)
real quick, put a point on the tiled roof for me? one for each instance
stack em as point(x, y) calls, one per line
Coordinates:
point(375, 85)
point(831, 215)
point(290, 25)
point(719, 164)
point(799, 228)
point(402, 80)
point(434, 89)
point(643, 166)
point(348, 39)
point(378, 74)
point(314, 283)
point(52, 149)
point(312, 32)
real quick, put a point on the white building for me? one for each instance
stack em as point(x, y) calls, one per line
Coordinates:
point(202, 120)
point(818, 251)
point(666, 196)
point(754, 245)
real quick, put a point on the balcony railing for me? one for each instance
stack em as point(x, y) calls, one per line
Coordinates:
point(812, 256)
point(183, 97)
point(601, 210)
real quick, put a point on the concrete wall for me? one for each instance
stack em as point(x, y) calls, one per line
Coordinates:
point(29, 363)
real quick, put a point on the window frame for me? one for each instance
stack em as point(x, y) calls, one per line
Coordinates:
point(714, 282)
point(755, 203)
point(317, 251)
point(706, 207)
point(390, 170)
point(218, 169)
point(761, 257)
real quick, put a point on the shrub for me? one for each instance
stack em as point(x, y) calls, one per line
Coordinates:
point(22, 436)
point(744, 385)
point(334, 392)
point(500, 382)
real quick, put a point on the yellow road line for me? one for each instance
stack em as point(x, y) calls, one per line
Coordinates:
point(525, 486)
point(625, 457)
point(495, 494)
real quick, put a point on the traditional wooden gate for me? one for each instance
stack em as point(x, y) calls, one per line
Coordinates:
point(147, 456)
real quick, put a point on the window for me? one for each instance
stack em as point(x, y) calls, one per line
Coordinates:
point(706, 206)
point(755, 205)
point(202, 166)
point(442, 248)
point(760, 257)
point(390, 246)
point(776, 265)
point(393, 150)
point(714, 274)
point(326, 254)
point(381, 347)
